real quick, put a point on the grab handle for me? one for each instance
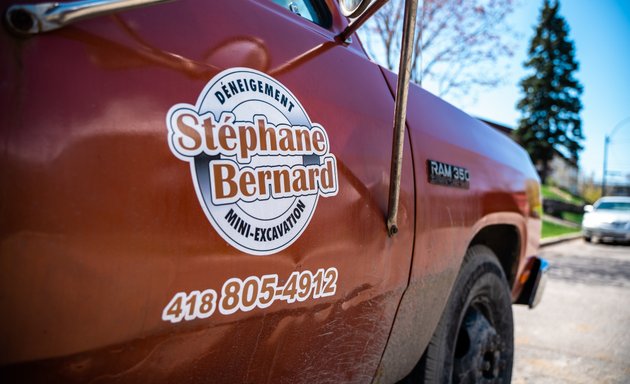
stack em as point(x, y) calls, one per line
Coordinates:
point(31, 19)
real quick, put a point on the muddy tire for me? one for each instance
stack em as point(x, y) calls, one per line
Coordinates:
point(474, 340)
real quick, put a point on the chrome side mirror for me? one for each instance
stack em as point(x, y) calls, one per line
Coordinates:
point(353, 8)
point(358, 11)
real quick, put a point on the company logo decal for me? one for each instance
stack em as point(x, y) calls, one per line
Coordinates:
point(258, 163)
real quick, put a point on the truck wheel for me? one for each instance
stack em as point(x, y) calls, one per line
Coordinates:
point(474, 341)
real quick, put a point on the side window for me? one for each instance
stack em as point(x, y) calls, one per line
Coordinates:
point(313, 10)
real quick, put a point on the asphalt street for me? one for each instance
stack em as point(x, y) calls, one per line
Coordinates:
point(580, 332)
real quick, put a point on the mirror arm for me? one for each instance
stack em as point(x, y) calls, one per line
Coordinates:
point(400, 113)
point(345, 36)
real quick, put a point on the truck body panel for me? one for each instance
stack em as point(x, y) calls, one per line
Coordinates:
point(101, 226)
point(448, 219)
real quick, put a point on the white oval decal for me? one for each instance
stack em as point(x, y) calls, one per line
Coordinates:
point(257, 161)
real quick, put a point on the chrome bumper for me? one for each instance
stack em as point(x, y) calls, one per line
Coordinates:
point(534, 286)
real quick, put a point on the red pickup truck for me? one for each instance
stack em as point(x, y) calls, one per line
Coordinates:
point(196, 192)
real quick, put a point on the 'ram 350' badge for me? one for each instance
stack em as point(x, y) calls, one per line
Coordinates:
point(258, 163)
point(447, 174)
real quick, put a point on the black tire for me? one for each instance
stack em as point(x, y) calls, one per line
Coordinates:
point(587, 239)
point(474, 340)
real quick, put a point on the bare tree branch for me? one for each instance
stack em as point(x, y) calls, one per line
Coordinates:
point(454, 38)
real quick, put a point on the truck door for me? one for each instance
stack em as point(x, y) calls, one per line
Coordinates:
point(200, 191)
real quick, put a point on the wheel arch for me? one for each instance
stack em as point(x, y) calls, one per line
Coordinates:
point(505, 242)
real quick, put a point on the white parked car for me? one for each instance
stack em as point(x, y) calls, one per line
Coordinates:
point(607, 219)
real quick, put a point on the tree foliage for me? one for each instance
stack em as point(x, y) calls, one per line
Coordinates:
point(456, 42)
point(590, 191)
point(550, 107)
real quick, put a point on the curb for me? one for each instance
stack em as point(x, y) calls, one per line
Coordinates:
point(559, 239)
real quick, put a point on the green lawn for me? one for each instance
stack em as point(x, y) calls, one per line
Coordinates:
point(549, 193)
point(551, 229)
point(572, 217)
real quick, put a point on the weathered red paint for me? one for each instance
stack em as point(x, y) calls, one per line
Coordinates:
point(101, 225)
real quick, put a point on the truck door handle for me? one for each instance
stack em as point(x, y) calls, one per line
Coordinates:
point(31, 19)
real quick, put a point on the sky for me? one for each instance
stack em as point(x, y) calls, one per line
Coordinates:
point(600, 30)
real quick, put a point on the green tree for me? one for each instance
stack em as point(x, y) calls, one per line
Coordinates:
point(551, 105)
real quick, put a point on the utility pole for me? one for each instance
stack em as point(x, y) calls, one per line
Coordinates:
point(606, 142)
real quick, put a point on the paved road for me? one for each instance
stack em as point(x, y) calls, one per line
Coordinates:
point(580, 332)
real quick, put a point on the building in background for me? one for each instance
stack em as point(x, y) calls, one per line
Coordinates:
point(564, 172)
